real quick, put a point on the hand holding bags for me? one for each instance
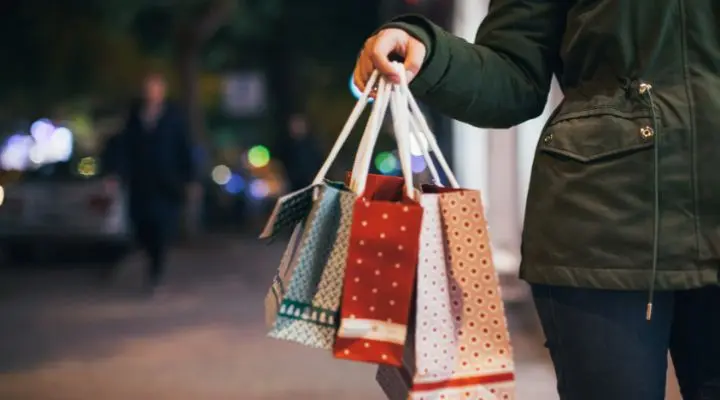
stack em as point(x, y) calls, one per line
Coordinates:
point(462, 348)
point(373, 244)
point(382, 259)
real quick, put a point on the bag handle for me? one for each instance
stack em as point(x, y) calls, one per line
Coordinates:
point(419, 119)
point(347, 129)
point(401, 125)
point(420, 138)
point(364, 155)
point(374, 124)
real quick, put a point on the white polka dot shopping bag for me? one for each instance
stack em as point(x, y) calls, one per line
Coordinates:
point(461, 343)
point(382, 257)
point(303, 302)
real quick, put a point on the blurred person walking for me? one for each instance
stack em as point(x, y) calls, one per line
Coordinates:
point(621, 240)
point(300, 153)
point(153, 159)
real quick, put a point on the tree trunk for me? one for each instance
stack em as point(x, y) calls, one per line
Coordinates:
point(193, 36)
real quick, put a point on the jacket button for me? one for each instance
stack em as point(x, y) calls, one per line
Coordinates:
point(647, 132)
point(548, 138)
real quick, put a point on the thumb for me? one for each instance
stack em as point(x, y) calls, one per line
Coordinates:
point(414, 58)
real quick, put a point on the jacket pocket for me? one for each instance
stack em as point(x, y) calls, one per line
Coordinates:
point(597, 134)
point(590, 198)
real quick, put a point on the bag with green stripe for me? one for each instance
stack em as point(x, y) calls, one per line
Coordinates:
point(303, 303)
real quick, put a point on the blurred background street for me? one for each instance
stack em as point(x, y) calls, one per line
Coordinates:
point(66, 336)
point(143, 145)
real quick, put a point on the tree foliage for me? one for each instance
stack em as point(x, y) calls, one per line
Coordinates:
point(62, 50)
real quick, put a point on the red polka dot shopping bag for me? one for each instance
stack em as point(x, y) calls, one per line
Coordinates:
point(461, 343)
point(303, 302)
point(382, 260)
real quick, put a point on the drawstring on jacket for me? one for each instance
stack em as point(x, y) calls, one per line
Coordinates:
point(645, 89)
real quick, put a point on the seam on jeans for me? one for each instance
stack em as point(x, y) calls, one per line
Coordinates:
point(559, 370)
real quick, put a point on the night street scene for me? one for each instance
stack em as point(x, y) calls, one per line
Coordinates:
point(144, 147)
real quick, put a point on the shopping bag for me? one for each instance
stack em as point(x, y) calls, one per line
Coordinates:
point(289, 210)
point(305, 294)
point(307, 313)
point(462, 348)
point(382, 261)
point(396, 382)
point(277, 291)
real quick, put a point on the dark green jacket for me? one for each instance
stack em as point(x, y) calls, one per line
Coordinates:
point(625, 188)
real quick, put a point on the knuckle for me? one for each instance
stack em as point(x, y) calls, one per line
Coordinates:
point(377, 53)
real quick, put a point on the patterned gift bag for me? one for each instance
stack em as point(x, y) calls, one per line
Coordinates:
point(396, 382)
point(382, 261)
point(462, 341)
point(462, 347)
point(307, 313)
point(282, 278)
point(305, 294)
point(380, 275)
point(289, 210)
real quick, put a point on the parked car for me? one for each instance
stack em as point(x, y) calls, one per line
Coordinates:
point(56, 209)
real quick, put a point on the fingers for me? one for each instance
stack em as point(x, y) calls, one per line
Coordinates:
point(414, 59)
point(375, 55)
point(387, 42)
point(364, 67)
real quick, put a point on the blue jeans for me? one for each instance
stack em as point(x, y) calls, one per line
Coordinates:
point(603, 348)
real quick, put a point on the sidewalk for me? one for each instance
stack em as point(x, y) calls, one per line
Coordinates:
point(63, 337)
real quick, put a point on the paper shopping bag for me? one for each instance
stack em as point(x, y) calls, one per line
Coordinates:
point(308, 311)
point(379, 279)
point(396, 382)
point(289, 210)
point(462, 348)
point(382, 255)
point(277, 291)
point(462, 344)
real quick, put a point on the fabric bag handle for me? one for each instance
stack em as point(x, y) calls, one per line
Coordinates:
point(419, 121)
point(361, 166)
point(374, 124)
point(347, 129)
point(419, 139)
point(363, 158)
point(401, 125)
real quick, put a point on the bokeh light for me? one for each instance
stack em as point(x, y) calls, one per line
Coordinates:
point(87, 167)
point(36, 154)
point(235, 185)
point(42, 129)
point(221, 174)
point(259, 189)
point(418, 164)
point(15, 154)
point(60, 145)
point(386, 163)
point(259, 156)
point(2, 195)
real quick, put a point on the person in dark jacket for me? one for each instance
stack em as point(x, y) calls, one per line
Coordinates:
point(153, 159)
point(621, 241)
point(300, 153)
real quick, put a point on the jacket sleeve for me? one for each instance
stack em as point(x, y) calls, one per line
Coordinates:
point(502, 79)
